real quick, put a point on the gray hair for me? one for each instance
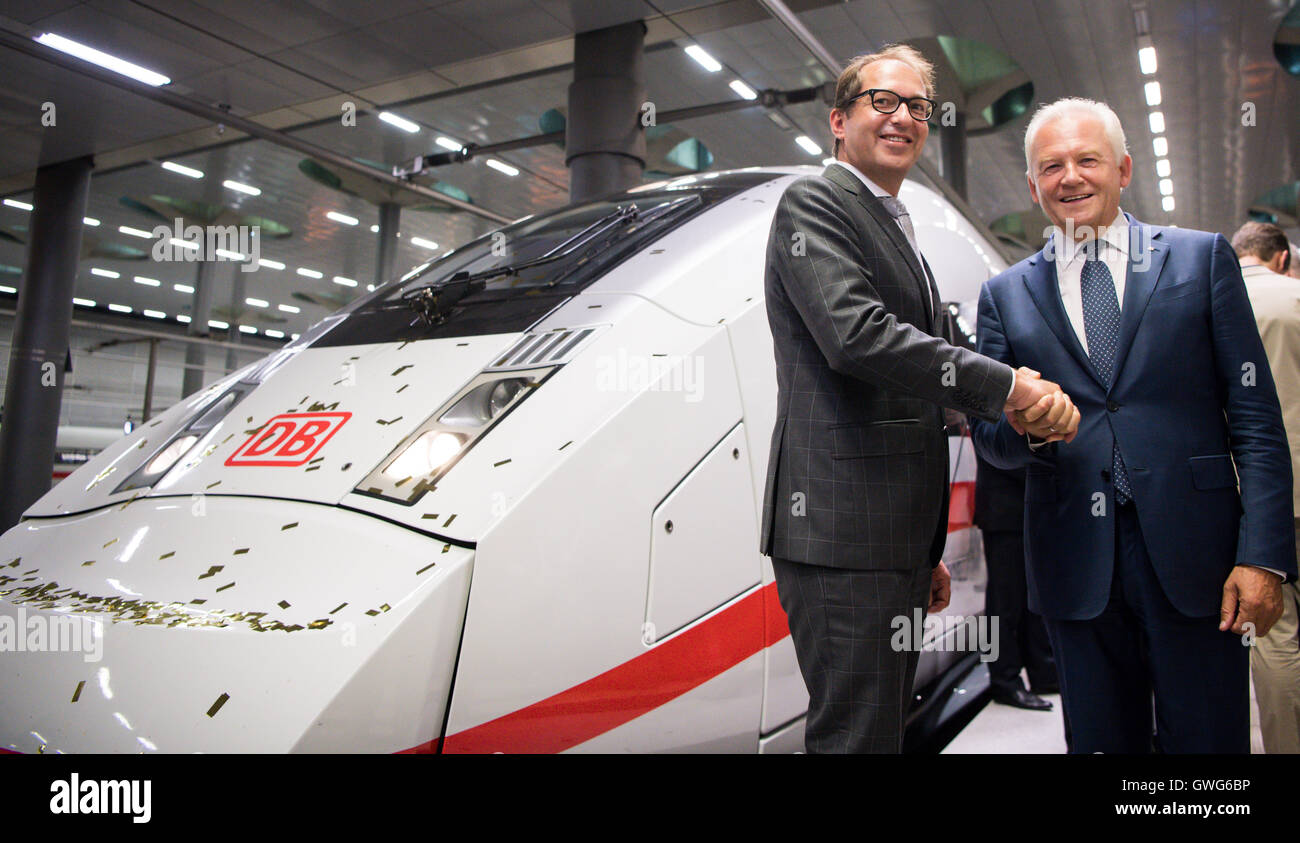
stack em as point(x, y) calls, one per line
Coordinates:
point(1063, 108)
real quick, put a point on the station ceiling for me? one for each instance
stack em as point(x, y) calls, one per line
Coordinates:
point(484, 72)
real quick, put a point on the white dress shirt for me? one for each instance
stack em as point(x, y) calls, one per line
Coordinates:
point(1112, 248)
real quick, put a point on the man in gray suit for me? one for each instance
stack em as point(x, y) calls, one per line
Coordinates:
point(855, 508)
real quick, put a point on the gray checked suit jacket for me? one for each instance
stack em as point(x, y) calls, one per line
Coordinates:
point(857, 476)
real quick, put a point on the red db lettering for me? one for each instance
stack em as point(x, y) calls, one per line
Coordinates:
point(288, 440)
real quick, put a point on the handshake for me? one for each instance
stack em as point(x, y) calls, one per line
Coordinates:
point(1039, 408)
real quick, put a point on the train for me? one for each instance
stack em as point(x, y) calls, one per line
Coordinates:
point(506, 502)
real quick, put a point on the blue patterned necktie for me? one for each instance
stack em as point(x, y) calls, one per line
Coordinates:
point(1101, 326)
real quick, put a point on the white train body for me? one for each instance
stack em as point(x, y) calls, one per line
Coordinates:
point(581, 574)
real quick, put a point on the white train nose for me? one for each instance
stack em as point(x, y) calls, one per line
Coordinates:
point(225, 624)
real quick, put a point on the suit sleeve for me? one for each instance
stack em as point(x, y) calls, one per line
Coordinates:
point(997, 441)
point(1266, 537)
point(830, 280)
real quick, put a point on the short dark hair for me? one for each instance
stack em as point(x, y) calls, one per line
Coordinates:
point(846, 87)
point(1261, 240)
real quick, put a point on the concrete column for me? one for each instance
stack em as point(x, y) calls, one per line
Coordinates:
point(42, 329)
point(605, 141)
point(953, 152)
point(390, 218)
point(201, 305)
point(238, 287)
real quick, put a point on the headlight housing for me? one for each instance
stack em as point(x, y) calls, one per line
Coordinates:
point(429, 452)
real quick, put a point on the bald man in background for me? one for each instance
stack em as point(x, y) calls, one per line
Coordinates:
point(1265, 256)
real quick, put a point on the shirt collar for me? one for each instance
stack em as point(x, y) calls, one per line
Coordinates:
point(1116, 236)
point(876, 190)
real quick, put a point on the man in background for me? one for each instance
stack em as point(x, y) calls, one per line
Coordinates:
point(1265, 256)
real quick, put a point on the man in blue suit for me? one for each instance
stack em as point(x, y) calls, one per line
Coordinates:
point(1148, 564)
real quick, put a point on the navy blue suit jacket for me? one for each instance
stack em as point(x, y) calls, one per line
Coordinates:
point(1192, 395)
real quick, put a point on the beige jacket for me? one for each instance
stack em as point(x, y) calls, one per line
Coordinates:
point(1276, 302)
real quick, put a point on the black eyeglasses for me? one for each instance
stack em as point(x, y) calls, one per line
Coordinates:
point(887, 102)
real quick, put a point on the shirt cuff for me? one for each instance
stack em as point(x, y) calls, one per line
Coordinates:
point(1281, 574)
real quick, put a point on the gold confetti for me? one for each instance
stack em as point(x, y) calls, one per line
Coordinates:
point(14, 564)
point(167, 555)
point(425, 568)
point(304, 399)
point(450, 519)
point(226, 586)
point(503, 462)
point(385, 607)
point(431, 515)
point(313, 462)
point(283, 604)
point(198, 601)
point(319, 624)
point(312, 468)
point(289, 526)
point(76, 695)
point(216, 706)
point(566, 444)
point(372, 612)
point(241, 551)
point(214, 569)
point(403, 386)
point(110, 541)
point(339, 606)
point(401, 369)
point(446, 547)
point(228, 438)
point(88, 564)
point(141, 445)
point(403, 480)
point(390, 421)
point(217, 483)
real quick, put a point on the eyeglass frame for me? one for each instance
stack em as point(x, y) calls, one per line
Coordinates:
point(902, 100)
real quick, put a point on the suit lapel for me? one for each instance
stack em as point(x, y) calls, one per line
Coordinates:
point(1147, 253)
point(877, 210)
point(1043, 288)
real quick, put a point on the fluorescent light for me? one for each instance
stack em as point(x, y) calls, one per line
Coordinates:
point(1153, 93)
point(1166, 187)
point(343, 218)
point(182, 169)
point(257, 302)
point(370, 288)
point(1163, 168)
point(706, 61)
point(182, 288)
point(242, 188)
point(1147, 60)
point(502, 167)
point(310, 273)
point(155, 314)
point(743, 89)
point(346, 282)
point(247, 329)
point(448, 143)
point(271, 332)
point(1167, 203)
point(269, 264)
point(91, 221)
point(400, 122)
point(1161, 147)
point(288, 308)
point(7, 289)
point(808, 145)
point(217, 323)
point(113, 63)
point(293, 336)
point(184, 244)
point(134, 232)
point(14, 203)
point(148, 282)
point(1157, 122)
point(119, 308)
point(84, 302)
point(107, 273)
point(229, 255)
point(826, 162)
point(422, 243)
point(181, 317)
point(374, 229)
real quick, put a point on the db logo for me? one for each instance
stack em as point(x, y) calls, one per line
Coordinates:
point(290, 439)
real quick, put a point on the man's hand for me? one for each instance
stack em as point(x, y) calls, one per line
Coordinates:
point(1052, 419)
point(1251, 595)
point(941, 588)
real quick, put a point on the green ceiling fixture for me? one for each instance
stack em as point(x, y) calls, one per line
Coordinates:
point(375, 192)
point(1286, 43)
point(166, 209)
point(669, 151)
point(984, 83)
point(1278, 206)
point(1026, 229)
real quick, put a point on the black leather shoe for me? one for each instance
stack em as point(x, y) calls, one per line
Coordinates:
point(1023, 699)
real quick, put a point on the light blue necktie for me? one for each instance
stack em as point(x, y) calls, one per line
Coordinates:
point(1101, 326)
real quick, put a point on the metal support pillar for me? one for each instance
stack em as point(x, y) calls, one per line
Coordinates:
point(238, 286)
point(42, 331)
point(148, 380)
point(390, 218)
point(605, 141)
point(953, 152)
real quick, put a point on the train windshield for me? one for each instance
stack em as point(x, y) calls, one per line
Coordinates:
point(505, 281)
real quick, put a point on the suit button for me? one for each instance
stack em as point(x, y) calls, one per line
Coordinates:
point(1105, 475)
point(1112, 406)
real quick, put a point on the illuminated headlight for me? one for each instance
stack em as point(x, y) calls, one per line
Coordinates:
point(436, 445)
point(428, 453)
point(169, 455)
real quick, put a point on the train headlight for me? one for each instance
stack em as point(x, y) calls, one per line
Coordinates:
point(168, 456)
point(434, 447)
